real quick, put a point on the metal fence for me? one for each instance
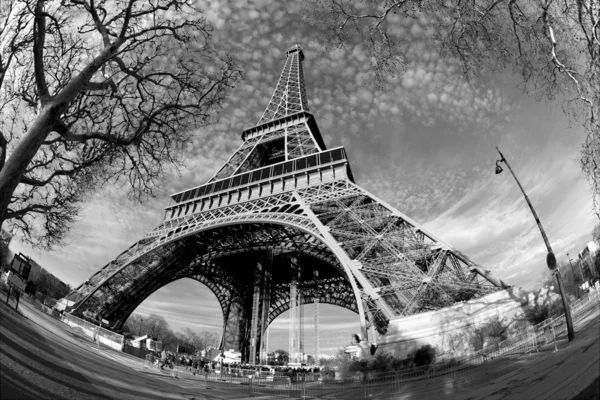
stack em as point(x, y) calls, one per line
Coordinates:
point(95, 332)
point(436, 376)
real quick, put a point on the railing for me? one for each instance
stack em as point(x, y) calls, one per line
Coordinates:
point(95, 332)
point(381, 385)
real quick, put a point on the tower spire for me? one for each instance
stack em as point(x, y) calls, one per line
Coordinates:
point(289, 96)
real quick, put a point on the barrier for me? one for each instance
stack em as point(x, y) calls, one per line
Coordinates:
point(95, 332)
point(362, 385)
point(381, 385)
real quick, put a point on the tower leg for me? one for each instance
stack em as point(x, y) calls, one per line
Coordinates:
point(266, 306)
point(255, 314)
point(293, 329)
point(300, 325)
point(234, 327)
point(316, 356)
point(296, 311)
point(223, 344)
point(316, 315)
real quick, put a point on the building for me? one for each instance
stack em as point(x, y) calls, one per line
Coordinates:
point(587, 261)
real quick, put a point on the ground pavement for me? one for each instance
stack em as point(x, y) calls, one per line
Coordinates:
point(42, 358)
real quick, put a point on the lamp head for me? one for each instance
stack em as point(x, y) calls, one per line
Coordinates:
point(498, 167)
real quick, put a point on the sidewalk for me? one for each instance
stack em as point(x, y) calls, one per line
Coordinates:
point(565, 374)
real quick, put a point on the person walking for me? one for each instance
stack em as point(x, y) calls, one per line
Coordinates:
point(163, 359)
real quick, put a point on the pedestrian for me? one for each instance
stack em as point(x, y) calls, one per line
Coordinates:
point(195, 367)
point(17, 297)
point(163, 359)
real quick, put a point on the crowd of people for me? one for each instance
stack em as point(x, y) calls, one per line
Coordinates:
point(199, 365)
point(196, 365)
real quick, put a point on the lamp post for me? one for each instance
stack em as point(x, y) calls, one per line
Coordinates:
point(573, 269)
point(550, 258)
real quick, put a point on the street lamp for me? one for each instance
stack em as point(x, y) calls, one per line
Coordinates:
point(550, 258)
point(573, 269)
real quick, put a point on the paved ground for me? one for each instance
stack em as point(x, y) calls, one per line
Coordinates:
point(572, 372)
point(41, 358)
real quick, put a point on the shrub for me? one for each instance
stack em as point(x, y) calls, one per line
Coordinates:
point(423, 355)
point(385, 362)
point(540, 312)
point(495, 330)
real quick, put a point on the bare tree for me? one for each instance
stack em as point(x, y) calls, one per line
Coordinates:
point(5, 253)
point(596, 234)
point(156, 326)
point(202, 340)
point(96, 91)
point(554, 45)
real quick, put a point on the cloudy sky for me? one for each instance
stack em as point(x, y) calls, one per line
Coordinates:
point(426, 146)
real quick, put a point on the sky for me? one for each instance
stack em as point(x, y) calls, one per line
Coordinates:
point(426, 145)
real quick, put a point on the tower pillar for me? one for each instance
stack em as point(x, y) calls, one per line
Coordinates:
point(296, 324)
point(261, 303)
point(266, 306)
point(316, 317)
point(255, 322)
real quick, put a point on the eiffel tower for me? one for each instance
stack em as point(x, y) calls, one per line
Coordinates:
point(283, 224)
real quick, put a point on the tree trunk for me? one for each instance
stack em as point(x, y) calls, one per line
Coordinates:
point(3, 145)
point(16, 165)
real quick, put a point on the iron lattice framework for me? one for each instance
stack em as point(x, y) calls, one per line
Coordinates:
point(283, 199)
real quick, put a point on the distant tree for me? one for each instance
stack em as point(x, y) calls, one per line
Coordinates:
point(133, 325)
point(169, 340)
point(553, 45)
point(546, 303)
point(188, 339)
point(210, 340)
point(571, 279)
point(31, 288)
point(326, 362)
point(96, 91)
point(5, 253)
point(596, 234)
point(201, 341)
point(282, 357)
point(156, 326)
point(493, 331)
point(49, 285)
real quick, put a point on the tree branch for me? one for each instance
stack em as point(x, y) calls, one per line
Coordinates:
point(36, 208)
point(39, 39)
point(126, 20)
point(63, 131)
point(91, 9)
point(101, 86)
